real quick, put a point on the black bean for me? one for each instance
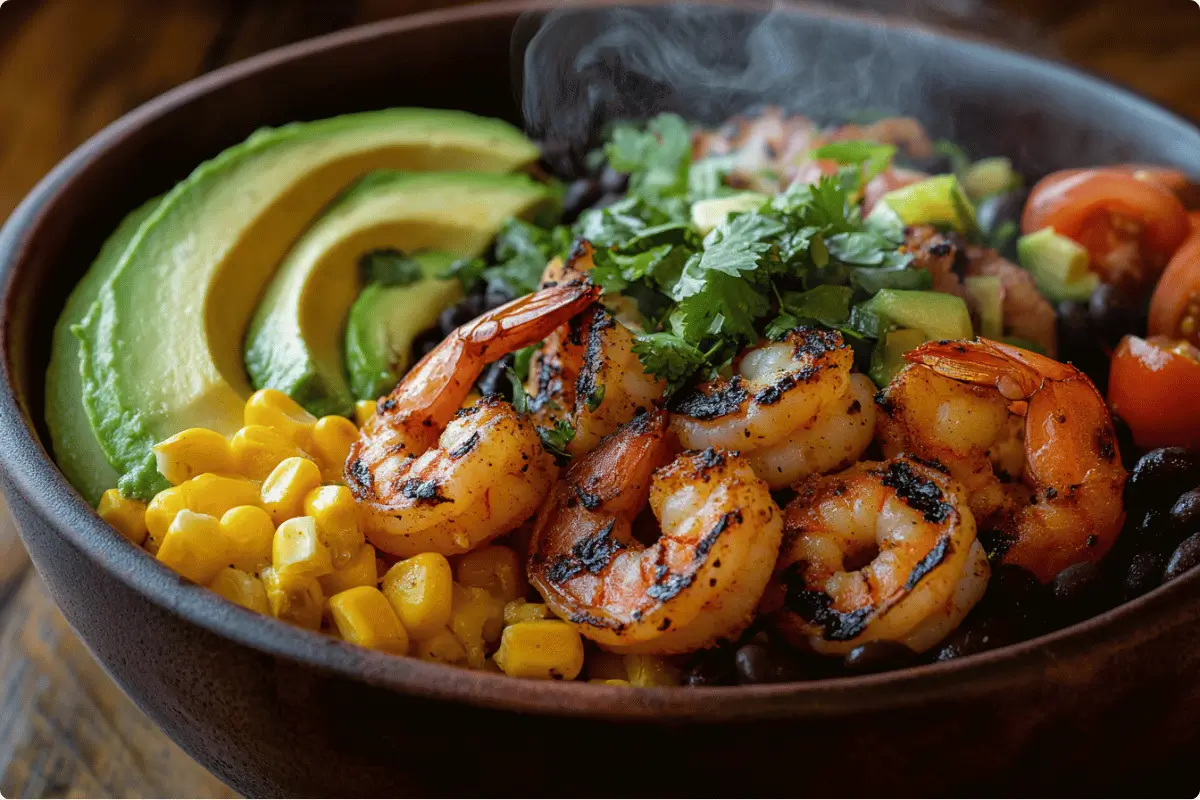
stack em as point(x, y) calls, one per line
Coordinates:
point(1145, 572)
point(879, 656)
point(1129, 451)
point(495, 379)
point(579, 195)
point(460, 313)
point(976, 636)
point(1016, 595)
point(494, 298)
point(1114, 313)
point(1161, 476)
point(612, 182)
point(1080, 591)
point(1185, 514)
point(711, 668)
point(426, 341)
point(757, 663)
point(1074, 327)
point(1186, 556)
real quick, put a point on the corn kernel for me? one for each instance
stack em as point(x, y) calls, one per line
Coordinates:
point(336, 513)
point(331, 440)
point(193, 452)
point(477, 619)
point(241, 588)
point(194, 547)
point(249, 533)
point(258, 449)
point(294, 598)
point(160, 513)
point(646, 671)
point(442, 647)
point(215, 494)
point(548, 649)
point(125, 514)
point(284, 490)
point(471, 399)
point(605, 666)
point(520, 610)
point(496, 569)
point(358, 571)
point(421, 590)
point(296, 550)
point(365, 617)
point(363, 411)
point(275, 410)
point(610, 682)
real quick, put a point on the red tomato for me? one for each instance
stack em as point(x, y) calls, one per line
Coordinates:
point(1175, 306)
point(1129, 222)
point(1154, 385)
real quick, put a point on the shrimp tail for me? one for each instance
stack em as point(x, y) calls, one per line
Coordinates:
point(1015, 372)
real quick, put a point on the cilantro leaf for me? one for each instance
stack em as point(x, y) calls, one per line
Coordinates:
point(656, 158)
point(468, 271)
point(668, 357)
point(734, 247)
point(557, 439)
point(520, 399)
point(522, 250)
point(390, 267)
point(871, 157)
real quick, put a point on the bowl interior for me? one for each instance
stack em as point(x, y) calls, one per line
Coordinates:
point(993, 102)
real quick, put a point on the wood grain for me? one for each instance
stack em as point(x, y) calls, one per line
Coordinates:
point(68, 67)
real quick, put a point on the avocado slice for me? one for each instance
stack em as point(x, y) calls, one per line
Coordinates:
point(939, 200)
point(987, 292)
point(385, 320)
point(1059, 265)
point(295, 342)
point(76, 448)
point(161, 347)
point(887, 358)
point(938, 315)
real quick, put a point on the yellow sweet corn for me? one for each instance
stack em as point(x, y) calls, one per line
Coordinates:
point(331, 440)
point(241, 588)
point(421, 589)
point(496, 569)
point(249, 533)
point(610, 682)
point(294, 598)
point(547, 649)
point(364, 616)
point(215, 494)
point(274, 409)
point(296, 550)
point(477, 619)
point(284, 490)
point(193, 452)
point(363, 411)
point(194, 547)
point(358, 571)
point(442, 647)
point(520, 610)
point(160, 513)
point(336, 513)
point(125, 514)
point(646, 671)
point(258, 449)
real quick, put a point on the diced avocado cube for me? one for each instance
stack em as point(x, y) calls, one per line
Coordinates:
point(708, 214)
point(987, 293)
point(989, 176)
point(888, 356)
point(938, 315)
point(1058, 264)
point(939, 200)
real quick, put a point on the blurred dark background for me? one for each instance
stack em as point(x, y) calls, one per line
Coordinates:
point(68, 67)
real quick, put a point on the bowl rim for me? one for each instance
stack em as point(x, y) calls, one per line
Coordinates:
point(30, 470)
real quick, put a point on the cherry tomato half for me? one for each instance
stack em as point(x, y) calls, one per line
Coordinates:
point(1154, 385)
point(1129, 222)
point(1175, 306)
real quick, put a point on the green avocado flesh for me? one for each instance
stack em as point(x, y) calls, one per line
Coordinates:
point(161, 347)
point(887, 358)
point(939, 316)
point(76, 449)
point(385, 320)
point(295, 343)
point(1059, 265)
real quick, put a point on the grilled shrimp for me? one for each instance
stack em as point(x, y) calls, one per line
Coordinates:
point(698, 584)
point(430, 477)
point(1068, 509)
point(792, 408)
point(586, 371)
point(880, 551)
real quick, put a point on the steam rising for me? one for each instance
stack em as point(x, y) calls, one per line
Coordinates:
point(584, 68)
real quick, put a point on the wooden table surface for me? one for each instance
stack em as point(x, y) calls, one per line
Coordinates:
point(68, 67)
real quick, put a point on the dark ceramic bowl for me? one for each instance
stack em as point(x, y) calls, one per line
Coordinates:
point(272, 709)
